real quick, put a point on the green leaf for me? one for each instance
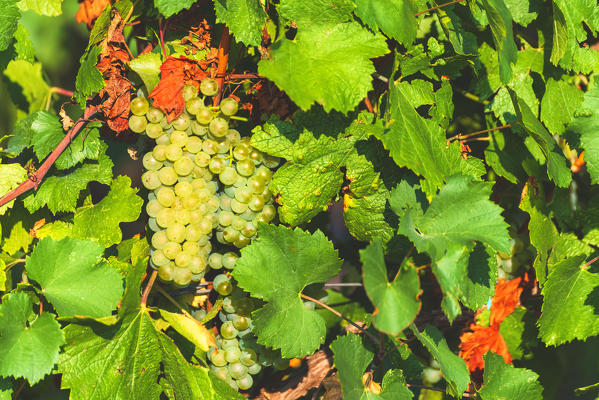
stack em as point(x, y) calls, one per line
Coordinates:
point(459, 214)
point(10, 177)
point(521, 11)
point(504, 381)
point(558, 105)
point(99, 287)
point(454, 369)
point(557, 169)
point(9, 18)
point(500, 21)
point(171, 7)
point(367, 217)
point(585, 124)
point(6, 392)
point(394, 17)
point(560, 34)
point(40, 130)
point(29, 344)
point(89, 80)
point(51, 8)
point(101, 221)
point(191, 329)
point(23, 46)
point(61, 192)
point(351, 360)
point(245, 19)
point(147, 66)
point(19, 239)
point(302, 259)
point(570, 303)
point(396, 302)
point(316, 12)
point(29, 77)
point(305, 70)
point(519, 332)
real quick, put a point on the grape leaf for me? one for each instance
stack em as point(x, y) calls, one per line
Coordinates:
point(171, 7)
point(6, 392)
point(191, 329)
point(304, 69)
point(504, 381)
point(101, 221)
point(447, 222)
point(51, 8)
point(316, 12)
point(585, 124)
point(570, 303)
point(394, 17)
point(523, 12)
point(560, 34)
point(29, 344)
point(367, 217)
point(396, 302)
point(19, 239)
point(61, 192)
point(500, 21)
point(9, 18)
point(147, 66)
point(454, 369)
point(23, 46)
point(89, 80)
point(125, 361)
point(10, 177)
point(245, 19)
point(557, 169)
point(558, 105)
point(46, 265)
point(303, 259)
point(29, 77)
point(351, 360)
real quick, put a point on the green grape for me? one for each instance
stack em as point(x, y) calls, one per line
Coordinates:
point(269, 211)
point(183, 189)
point(151, 180)
point(232, 383)
point(213, 204)
point(228, 343)
point(245, 382)
point(227, 304)
point(190, 247)
point(183, 166)
point(165, 196)
point(199, 129)
point(238, 207)
point(209, 87)
point(165, 272)
point(230, 234)
point(181, 122)
point(171, 249)
point(243, 194)
point(194, 144)
point(222, 373)
point(241, 152)
point(188, 92)
point(238, 223)
point(264, 173)
point(218, 279)
point(223, 147)
point(230, 191)
point(198, 183)
point(217, 165)
point(159, 152)
point(205, 226)
point(257, 184)
point(232, 353)
point(218, 127)
point(137, 123)
point(175, 232)
point(150, 163)
point(249, 230)
point(153, 130)
point(228, 331)
point(197, 265)
point(159, 239)
point(249, 215)
point(256, 203)
point(233, 137)
point(163, 139)
point(181, 276)
point(228, 176)
point(241, 323)
point(210, 146)
point(256, 156)
point(225, 218)
point(229, 259)
point(154, 115)
point(183, 259)
point(202, 159)
point(165, 217)
point(237, 370)
point(260, 218)
point(158, 258)
point(245, 167)
point(217, 357)
point(196, 215)
point(212, 187)
point(203, 194)
point(254, 369)
point(229, 106)
point(215, 262)
point(204, 115)
point(225, 202)
point(153, 208)
point(241, 242)
point(225, 288)
point(204, 240)
point(173, 152)
point(179, 138)
point(139, 106)
point(191, 202)
point(193, 105)
point(182, 216)
point(248, 357)
point(271, 162)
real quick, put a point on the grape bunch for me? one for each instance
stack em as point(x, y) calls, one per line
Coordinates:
point(208, 186)
point(238, 357)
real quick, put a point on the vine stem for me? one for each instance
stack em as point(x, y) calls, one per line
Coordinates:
point(144, 296)
point(161, 30)
point(437, 7)
point(374, 339)
point(459, 136)
point(33, 181)
point(590, 262)
point(19, 390)
point(57, 90)
point(223, 59)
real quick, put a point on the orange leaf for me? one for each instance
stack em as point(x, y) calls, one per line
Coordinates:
point(505, 301)
point(474, 345)
point(89, 10)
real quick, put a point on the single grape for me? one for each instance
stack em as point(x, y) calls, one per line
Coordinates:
point(167, 176)
point(154, 115)
point(183, 166)
point(137, 123)
point(199, 129)
point(225, 288)
point(183, 259)
point(173, 152)
point(237, 370)
point(229, 106)
point(228, 176)
point(218, 127)
point(183, 189)
point(179, 138)
point(230, 234)
point(158, 258)
point(225, 218)
point(228, 305)
point(225, 202)
point(254, 369)
point(213, 204)
point(171, 249)
point(197, 265)
point(175, 232)
point(233, 137)
point(238, 207)
point(210, 146)
point(165, 196)
point(202, 159)
point(159, 152)
point(139, 106)
point(204, 115)
point(191, 202)
point(182, 276)
point(150, 163)
point(271, 162)
point(181, 215)
point(193, 105)
point(165, 217)
point(269, 211)
point(241, 242)
point(153, 208)
point(215, 262)
point(159, 239)
point(153, 130)
point(248, 357)
point(256, 203)
point(228, 331)
point(249, 215)
point(249, 230)
point(165, 272)
point(223, 147)
point(264, 173)
point(217, 165)
point(245, 167)
point(238, 223)
point(209, 87)
point(163, 139)
point(257, 184)
point(189, 91)
point(181, 122)
point(217, 357)
point(256, 156)
point(241, 323)
point(228, 343)
point(205, 226)
point(243, 194)
point(190, 247)
point(193, 145)
point(232, 353)
point(241, 152)
point(229, 259)
point(151, 180)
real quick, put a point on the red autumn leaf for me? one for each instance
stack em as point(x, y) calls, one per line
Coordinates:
point(89, 10)
point(482, 339)
point(174, 74)
point(507, 297)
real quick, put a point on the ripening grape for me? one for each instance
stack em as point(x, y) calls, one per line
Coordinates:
point(218, 127)
point(229, 106)
point(181, 122)
point(209, 87)
point(151, 180)
point(193, 105)
point(139, 106)
point(153, 130)
point(150, 163)
point(154, 115)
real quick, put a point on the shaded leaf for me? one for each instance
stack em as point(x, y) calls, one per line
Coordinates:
point(245, 19)
point(503, 381)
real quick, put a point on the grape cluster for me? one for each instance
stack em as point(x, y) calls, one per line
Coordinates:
point(238, 357)
point(521, 254)
point(205, 182)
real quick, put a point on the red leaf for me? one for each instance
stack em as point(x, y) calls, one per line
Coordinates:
point(474, 345)
point(505, 301)
point(89, 10)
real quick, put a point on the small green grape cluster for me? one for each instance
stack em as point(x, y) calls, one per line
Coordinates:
point(520, 255)
point(205, 181)
point(238, 357)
